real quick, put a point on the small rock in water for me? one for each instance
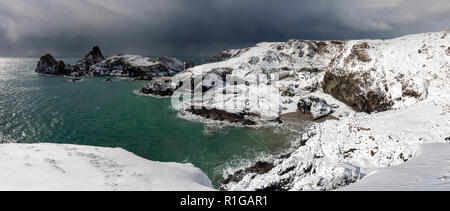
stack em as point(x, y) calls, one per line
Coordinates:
point(74, 80)
point(158, 87)
point(108, 80)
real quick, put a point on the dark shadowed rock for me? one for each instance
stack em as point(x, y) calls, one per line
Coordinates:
point(259, 168)
point(92, 58)
point(220, 115)
point(227, 54)
point(172, 65)
point(188, 64)
point(351, 88)
point(160, 87)
point(48, 65)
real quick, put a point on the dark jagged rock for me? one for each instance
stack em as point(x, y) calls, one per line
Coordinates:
point(48, 65)
point(220, 115)
point(172, 65)
point(160, 87)
point(227, 54)
point(304, 105)
point(188, 64)
point(350, 87)
point(92, 58)
point(259, 168)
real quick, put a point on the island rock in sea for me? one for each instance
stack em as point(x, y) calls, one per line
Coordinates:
point(160, 87)
point(48, 65)
point(94, 64)
point(53, 167)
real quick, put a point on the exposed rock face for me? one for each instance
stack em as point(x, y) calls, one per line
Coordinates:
point(220, 115)
point(317, 107)
point(160, 87)
point(136, 66)
point(352, 88)
point(188, 64)
point(92, 58)
point(259, 168)
point(48, 65)
point(227, 54)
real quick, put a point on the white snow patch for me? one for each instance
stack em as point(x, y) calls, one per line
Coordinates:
point(430, 170)
point(71, 167)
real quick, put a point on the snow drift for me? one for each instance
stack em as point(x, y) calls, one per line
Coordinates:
point(72, 167)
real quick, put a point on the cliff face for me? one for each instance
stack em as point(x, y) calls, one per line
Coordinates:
point(379, 75)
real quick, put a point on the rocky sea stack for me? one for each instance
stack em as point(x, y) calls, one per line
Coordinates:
point(48, 65)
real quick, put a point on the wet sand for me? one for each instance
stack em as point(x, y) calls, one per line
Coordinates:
point(300, 117)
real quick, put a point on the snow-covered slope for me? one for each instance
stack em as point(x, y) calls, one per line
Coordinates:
point(341, 152)
point(73, 167)
point(430, 170)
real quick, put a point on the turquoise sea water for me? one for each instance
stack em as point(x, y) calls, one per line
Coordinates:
point(44, 108)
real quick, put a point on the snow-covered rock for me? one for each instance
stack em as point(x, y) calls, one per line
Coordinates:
point(315, 106)
point(137, 66)
point(92, 58)
point(160, 87)
point(72, 167)
point(378, 75)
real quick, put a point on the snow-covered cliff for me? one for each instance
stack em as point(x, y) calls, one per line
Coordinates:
point(369, 75)
point(388, 96)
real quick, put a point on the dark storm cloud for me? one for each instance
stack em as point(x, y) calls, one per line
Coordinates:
point(202, 27)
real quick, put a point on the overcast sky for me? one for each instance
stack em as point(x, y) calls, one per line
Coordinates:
point(202, 27)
